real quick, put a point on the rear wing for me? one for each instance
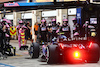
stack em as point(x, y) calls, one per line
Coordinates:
point(75, 40)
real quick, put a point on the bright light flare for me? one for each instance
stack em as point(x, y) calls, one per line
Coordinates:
point(77, 54)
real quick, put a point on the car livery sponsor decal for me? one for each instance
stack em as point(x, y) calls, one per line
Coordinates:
point(77, 38)
point(11, 4)
point(54, 28)
point(65, 29)
point(43, 29)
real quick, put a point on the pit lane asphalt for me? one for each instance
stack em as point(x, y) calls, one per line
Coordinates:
point(23, 60)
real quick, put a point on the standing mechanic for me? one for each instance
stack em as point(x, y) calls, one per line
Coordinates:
point(85, 28)
point(21, 28)
point(36, 26)
point(43, 34)
point(2, 35)
point(49, 31)
point(43, 31)
point(5, 25)
point(65, 28)
point(28, 32)
point(8, 31)
point(76, 26)
point(53, 29)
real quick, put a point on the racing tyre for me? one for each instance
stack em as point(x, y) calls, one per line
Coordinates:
point(52, 54)
point(93, 54)
point(34, 50)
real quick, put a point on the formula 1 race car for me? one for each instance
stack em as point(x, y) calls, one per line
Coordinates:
point(72, 50)
point(69, 50)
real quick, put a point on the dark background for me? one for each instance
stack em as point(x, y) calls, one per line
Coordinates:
point(96, 0)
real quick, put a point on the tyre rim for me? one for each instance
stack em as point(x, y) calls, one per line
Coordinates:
point(31, 51)
point(31, 55)
point(47, 54)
